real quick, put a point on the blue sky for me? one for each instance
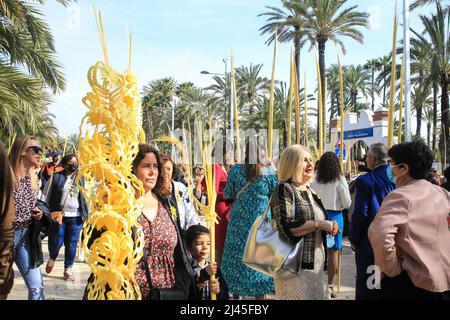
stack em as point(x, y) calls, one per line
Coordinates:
point(180, 38)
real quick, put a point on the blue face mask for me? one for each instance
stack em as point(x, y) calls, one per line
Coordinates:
point(390, 175)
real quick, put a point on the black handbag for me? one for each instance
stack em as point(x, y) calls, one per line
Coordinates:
point(162, 293)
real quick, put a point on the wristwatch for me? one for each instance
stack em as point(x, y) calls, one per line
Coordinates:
point(316, 224)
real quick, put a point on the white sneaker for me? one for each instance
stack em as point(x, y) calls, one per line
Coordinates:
point(328, 293)
point(81, 257)
point(331, 293)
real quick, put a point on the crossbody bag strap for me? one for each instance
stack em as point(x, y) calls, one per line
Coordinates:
point(147, 270)
point(242, 190)
point(264, 216)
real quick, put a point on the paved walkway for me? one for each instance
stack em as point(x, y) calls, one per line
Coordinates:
point(56, 288)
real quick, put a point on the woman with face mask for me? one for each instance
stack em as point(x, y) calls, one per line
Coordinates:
point(409, 234)
point(69, 210)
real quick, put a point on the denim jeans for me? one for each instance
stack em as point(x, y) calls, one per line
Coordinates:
point(32, 276)
point(67, 233)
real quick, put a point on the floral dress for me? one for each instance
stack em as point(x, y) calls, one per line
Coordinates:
point(160, 242)
point(251, 203)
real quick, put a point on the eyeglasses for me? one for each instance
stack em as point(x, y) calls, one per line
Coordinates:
point(390, 163)
point(36, 149)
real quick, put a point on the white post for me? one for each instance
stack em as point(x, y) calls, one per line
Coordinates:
point(407, 58)
point(232, 111)
point(173, 125)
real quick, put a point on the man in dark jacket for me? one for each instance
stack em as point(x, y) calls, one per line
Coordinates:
point(68, 205)
point(371, 188)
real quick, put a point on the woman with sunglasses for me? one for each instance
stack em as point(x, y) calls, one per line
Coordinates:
point(409, 234)
point(25, 155)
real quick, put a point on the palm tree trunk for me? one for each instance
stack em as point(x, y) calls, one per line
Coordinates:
point(322, 81)
point(419, 121)
point(331, 113)
point(373, 98)
point(445, 117)
point(428, 133)
point(419, 111)
point(354, 95)
point(435, 111)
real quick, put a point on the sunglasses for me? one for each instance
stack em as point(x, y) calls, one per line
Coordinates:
point(36, 149)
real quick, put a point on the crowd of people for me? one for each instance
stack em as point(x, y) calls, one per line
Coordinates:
point(399, 221)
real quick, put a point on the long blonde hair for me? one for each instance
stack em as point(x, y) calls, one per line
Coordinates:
point(291, 162)
point(15, 158)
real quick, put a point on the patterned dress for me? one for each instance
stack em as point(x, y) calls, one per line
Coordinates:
point(251, 203)
point(160, 242)
point(310, 284)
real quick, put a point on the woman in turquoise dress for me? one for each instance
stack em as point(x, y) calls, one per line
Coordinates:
point(249, 185)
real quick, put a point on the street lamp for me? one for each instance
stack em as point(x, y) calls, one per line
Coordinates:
point(225, 93)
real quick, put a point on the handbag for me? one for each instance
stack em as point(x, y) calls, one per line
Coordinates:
point(270, 253)
point(57, 216)
point(159, 293)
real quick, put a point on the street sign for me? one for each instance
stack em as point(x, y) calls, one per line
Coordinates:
point(357, 134)
point(337, 150)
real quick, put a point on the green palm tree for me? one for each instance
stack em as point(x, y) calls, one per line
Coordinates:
point(382, 79)
point(221, 91)
point(251, 87)
point(290, 23)
point(26, 40)
point(421, 3)
point(157, 106)
point(327, 20)
point(421, 99)
point(435, 31)
point(357, 80)
point(374, 66)
point(425, 67)
point(333, 85)
point(27, 68)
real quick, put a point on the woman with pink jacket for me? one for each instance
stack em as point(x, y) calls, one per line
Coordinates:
point(409, 235)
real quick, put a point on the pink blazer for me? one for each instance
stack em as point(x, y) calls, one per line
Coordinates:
point(410, 233)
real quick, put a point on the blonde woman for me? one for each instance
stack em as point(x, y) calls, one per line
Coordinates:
point(24, 156)
point(298, 213)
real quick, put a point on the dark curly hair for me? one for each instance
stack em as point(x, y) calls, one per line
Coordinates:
point(416, 155)
point(329, 168)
